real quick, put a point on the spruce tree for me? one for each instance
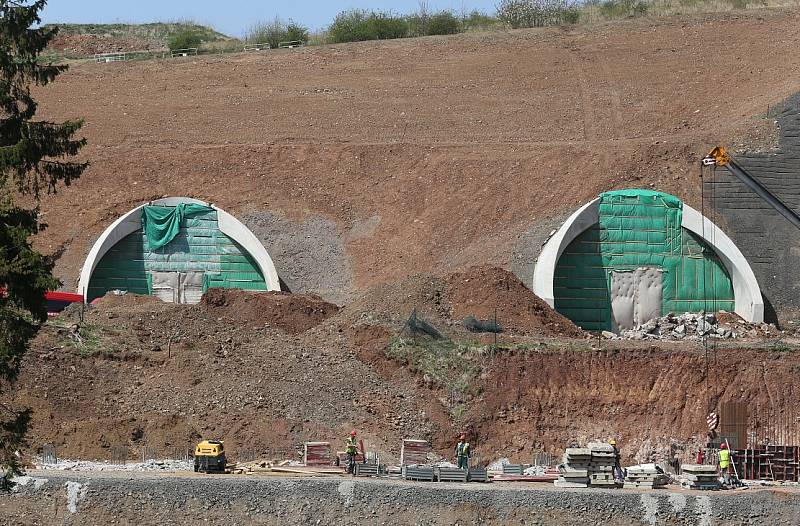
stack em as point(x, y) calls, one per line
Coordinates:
point(33, 160)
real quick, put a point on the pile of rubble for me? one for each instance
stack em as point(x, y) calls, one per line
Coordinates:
point(87, 465)
point(695, 326)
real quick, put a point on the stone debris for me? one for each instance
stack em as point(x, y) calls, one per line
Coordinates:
point(699, 476)
point(694, 326)
point(536, 471)
point(87, 465)
point(648, 476)
point(497, 465)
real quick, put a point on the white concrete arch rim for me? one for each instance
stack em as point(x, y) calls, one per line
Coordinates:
point(747, 293)
point(130, 222)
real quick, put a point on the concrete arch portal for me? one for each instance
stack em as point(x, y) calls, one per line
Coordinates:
point(677, 257)
point(208, 248)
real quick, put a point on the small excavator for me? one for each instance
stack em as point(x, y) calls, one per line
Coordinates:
point(719, 157)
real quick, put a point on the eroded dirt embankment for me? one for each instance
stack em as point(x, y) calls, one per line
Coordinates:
point(378, 175)
point(94, 500)
point(653, 399)
point(269, 372)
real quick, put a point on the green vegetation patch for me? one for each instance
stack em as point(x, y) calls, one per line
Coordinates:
point(277, 31)
point(156, 31)
point(455, 367)
point(86, 339)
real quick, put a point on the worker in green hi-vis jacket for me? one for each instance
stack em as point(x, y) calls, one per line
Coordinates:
point(352, 451)
point(462, 452)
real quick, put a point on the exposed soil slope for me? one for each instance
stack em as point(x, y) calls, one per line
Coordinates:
point(161, 376)
point(429, 154)
point(445, 302)
point(486, 292)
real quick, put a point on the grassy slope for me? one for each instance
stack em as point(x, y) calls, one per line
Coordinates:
point(159, 31)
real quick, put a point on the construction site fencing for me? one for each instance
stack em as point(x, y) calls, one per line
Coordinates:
point(189, 51)
point(246, 455)
point(119, 455)
point(544, 459)
point(416, 326)
point(472, 324)
point(49, 455)
point(257, 47)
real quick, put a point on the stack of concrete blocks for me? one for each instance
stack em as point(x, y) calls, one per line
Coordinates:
point(601, 468)
point(699, 476)
point(574, 471)
point(645, 477)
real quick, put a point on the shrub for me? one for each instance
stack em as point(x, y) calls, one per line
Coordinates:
point(479, 21)
point(275, 32)
point(185, 39)
point(357, 25)
point(538, 13)
point(623, 8)
point(572, 15)
point(444, 23)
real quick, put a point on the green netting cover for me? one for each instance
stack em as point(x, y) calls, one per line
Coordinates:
point(162, 223)
point(638, 228)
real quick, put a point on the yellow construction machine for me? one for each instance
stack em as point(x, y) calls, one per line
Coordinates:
point(209, 457)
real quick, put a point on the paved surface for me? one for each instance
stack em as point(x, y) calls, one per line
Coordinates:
point(187, 498)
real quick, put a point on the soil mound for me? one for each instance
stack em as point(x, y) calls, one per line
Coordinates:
point(84, 45)
point(482, 292)
point(447, 301)
point(293, 313)
point(128, 302)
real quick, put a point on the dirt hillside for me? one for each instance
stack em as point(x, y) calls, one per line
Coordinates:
point(422, 155)
point(147, 375)
point(378, 175)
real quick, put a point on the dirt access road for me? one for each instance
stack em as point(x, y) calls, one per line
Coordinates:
point(172, 499)
point(418, 155)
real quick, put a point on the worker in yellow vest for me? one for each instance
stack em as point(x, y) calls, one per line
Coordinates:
point(725, 463)
point(351, 448)
point(462, 452)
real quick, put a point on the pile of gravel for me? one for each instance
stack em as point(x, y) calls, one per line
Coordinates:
point(88, 465)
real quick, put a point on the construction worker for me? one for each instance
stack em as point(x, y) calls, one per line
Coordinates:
point(617, 466)
point(351, 450)
point(462, 452)
point(725, 463)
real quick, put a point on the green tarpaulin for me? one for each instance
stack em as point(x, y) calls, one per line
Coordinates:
point(635, 229)
point(162, 223)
